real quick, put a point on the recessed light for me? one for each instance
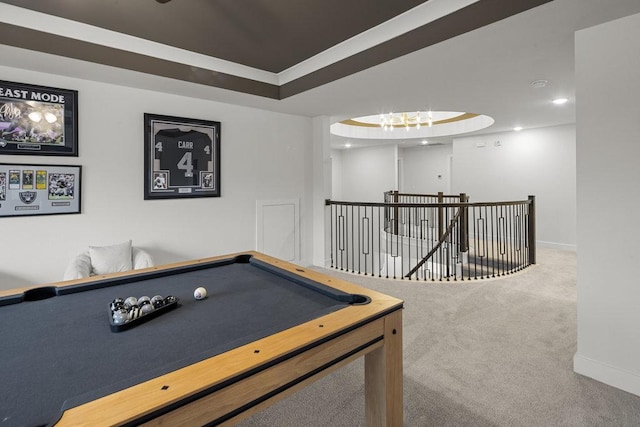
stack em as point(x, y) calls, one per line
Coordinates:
point(517, 128)
point(560, 101)
point(347, 145)
point(424, 142)
point(539, 83)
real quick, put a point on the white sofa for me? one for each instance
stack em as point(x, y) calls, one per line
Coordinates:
point(107, 259)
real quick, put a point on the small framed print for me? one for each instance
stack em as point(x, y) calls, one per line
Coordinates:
point(38, 120)
point(181, 157)
point(39, 189)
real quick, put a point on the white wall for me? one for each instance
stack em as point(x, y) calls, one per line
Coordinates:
point(265, 156)
point(608, 176)
point(508, 166)
point(514, 165)
point(368, 172)
point(336, 175)
point(426, 169)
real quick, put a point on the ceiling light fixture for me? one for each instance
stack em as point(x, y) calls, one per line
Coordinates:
point(347, 145)
point(517, 128)
point(560, 101)
point(425, 142)
point(406, 120)
point(539, 83)
point(418, 125)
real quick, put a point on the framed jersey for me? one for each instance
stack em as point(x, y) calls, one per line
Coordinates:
point(181, 157)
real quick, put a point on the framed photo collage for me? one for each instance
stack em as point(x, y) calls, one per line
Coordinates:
point(38, 121)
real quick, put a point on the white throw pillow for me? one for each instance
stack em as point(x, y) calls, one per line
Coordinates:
point(110, 259)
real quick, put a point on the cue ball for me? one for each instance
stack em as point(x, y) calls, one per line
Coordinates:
point(200, 293)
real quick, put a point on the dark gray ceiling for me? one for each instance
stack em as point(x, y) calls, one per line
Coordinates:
point(270, 35)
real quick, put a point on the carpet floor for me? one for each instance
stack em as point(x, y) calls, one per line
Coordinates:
point(482, 353)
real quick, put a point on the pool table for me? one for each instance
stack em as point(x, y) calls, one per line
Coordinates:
point(266, 329)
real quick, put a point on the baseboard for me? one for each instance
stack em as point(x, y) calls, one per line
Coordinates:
point(326, 264)
point(607, 374)
point(307, 263)
point(554, 245)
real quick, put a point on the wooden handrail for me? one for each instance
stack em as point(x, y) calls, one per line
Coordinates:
point(421, 195)
point(426, 205)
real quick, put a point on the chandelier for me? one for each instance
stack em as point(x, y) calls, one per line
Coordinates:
point(406, 120)
point(417, 124)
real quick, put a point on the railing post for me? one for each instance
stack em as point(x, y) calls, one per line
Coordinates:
point(464, 225)
point(532, 229)
point(327, 202)
point(440, 215)
point(396, 213)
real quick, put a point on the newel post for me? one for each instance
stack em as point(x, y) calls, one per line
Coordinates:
point(440, 215)
point(396, 212)
point(532, 229)
point(464, 224)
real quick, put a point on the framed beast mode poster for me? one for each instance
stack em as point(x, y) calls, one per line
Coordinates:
point(181, 157)
point(38, 120)
point(39, 189)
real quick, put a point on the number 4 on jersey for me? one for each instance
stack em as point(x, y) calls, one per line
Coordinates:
point(186, 164)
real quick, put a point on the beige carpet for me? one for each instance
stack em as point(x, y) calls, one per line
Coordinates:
point(482, 353)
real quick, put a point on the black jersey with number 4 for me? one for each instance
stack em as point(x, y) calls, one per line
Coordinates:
point(184, 154)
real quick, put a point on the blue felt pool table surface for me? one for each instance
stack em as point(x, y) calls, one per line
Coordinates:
point(60, 352)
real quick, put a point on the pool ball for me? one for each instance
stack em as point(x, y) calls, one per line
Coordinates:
point(157, 301)
point(130, 302)
point(134, 313)
point(170, 299)
point(146, 308)
point(145, 305)
point(120, 317)
point(116, 304)
point(200, 293)
point(143, 299)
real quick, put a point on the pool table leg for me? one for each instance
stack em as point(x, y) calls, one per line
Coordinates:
point(383, 377)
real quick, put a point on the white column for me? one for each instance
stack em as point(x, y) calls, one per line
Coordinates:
point(607, 87)
point(321, 189)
